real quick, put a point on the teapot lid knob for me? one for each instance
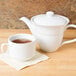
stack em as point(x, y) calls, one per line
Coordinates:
point(49, 13)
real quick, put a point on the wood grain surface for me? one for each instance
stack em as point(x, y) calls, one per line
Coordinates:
point(61, 63)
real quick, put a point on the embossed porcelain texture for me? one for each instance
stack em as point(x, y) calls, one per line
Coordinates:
point(23, 51)
point(49, 29)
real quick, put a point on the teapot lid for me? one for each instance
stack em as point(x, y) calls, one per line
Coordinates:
point(50, 19)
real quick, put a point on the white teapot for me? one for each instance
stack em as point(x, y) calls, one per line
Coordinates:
point(49, 30)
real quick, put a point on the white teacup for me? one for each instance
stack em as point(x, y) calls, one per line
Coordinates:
point(20, 51)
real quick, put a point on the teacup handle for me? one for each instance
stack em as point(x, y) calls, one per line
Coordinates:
point(2, 47)
point(69, 41)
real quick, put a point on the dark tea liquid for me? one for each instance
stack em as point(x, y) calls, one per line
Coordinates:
point(21, 41)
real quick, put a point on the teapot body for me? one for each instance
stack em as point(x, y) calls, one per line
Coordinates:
point(49, 38)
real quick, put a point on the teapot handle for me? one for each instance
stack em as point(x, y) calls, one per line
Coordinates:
point(69, 41)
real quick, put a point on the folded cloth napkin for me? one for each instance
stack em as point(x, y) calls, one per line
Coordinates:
point(21, 64)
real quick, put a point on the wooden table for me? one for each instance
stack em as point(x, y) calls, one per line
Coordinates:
point(61, 63)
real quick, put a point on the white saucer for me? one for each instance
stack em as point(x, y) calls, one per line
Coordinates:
point(20, 64)
point(22, 60)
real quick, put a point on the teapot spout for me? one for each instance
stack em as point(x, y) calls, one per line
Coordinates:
point(27, 21)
